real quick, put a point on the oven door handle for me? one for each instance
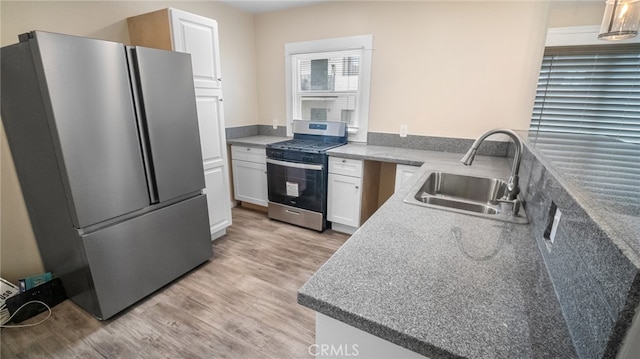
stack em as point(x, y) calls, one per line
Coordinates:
point(295, 165)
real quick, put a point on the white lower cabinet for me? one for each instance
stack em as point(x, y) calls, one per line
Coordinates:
point(403, 174)
point(250, 174)
point(355, 190)
point(217, 200)
point(344, 194)
point(343, 204)
point(335, 339)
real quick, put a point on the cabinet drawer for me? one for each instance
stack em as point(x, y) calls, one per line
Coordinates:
point(251, 154)
point(345, 166)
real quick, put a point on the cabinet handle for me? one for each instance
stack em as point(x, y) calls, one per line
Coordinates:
point(220, 79)
point(248, 149)
point(344, 161)
point(357, 187)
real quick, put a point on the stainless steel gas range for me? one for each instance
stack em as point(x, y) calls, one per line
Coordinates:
point(297, 173)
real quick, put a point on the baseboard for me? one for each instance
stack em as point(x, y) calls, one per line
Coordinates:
point(343, 228)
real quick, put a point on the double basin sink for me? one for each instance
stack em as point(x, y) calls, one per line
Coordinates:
point(477, 196)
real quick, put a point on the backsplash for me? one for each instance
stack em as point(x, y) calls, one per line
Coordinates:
point(595, 275)
point(255, 130)
point(432, 143)
point(429, 143)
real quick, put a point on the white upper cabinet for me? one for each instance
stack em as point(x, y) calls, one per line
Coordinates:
point(198, 36)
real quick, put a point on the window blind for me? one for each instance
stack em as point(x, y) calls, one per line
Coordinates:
point(590, 90)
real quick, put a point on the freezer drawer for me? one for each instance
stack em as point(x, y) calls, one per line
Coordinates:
point(133, 259)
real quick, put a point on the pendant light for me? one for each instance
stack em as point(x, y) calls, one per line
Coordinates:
point(621, 19)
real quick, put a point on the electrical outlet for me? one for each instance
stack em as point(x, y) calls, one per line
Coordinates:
point(553, 221)
point(403, 130)
point(275, 123)
point(554, 226)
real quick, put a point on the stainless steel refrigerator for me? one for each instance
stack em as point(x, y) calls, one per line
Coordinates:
point(106, 146)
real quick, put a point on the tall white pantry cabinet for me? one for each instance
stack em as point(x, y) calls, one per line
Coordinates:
point(177, 30)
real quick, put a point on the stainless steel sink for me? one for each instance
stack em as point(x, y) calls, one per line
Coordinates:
point(477, 196)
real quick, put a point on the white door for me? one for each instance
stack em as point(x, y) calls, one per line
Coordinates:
point(198, 36)
point(250, 182)
point(214, 157)
point(218, 201)
point(343, 202)
point(403, 174)
point(211, 123)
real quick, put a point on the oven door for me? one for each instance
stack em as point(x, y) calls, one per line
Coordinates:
point(297, 184)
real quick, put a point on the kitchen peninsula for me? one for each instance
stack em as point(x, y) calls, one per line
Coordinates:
point(439, 283)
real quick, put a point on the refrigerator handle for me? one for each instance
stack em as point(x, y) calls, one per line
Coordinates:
point(141, 124)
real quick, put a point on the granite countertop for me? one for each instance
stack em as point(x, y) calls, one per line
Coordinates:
point(385, 154)
point(602, 172)
point(256, 141)
point(442, 284)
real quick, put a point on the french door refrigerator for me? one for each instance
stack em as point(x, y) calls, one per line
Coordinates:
point(106, 146)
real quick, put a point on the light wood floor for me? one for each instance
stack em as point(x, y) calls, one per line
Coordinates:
point(241, 304)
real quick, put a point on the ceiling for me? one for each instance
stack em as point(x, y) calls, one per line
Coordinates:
point(260, 6)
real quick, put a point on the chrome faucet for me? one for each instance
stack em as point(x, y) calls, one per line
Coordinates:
point(512, 184)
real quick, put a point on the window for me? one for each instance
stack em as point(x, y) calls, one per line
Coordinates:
point(590, 90)
point(328, 80)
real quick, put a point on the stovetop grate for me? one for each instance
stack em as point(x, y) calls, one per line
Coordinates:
point(304, 145)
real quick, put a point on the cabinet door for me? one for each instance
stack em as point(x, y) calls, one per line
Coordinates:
point(250, 182)
point(198, 36)
point(211, 124)
point(218, 201)
point(214, 153)
point(343, 202)
point(403, 174)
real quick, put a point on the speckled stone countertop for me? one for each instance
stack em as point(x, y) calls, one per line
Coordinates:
point(602, 173)
point(256, 141)
point(385, 154)
point(442, 284)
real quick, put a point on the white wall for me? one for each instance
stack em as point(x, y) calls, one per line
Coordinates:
point(444, 68)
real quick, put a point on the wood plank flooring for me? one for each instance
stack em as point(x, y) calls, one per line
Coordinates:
point(241, 304)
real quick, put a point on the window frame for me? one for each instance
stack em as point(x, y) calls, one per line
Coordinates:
point(361, 42)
